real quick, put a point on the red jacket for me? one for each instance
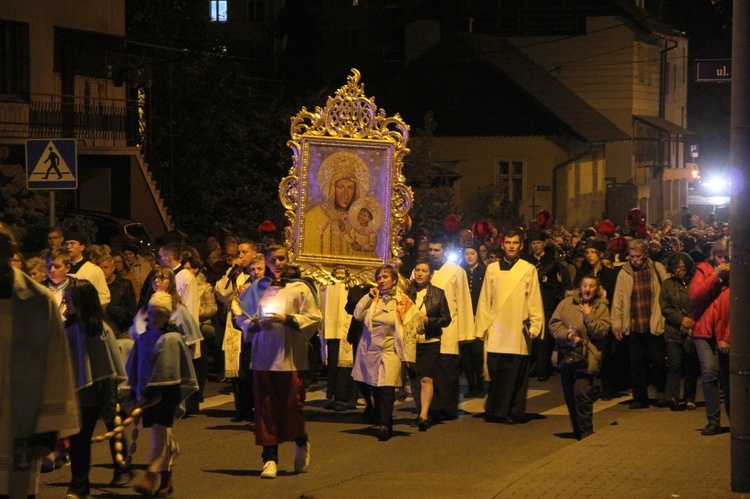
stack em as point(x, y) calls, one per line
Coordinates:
point(711, 299)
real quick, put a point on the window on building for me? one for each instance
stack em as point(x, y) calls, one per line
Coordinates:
point(219, 11)
point(14, 59)
point(509, 175)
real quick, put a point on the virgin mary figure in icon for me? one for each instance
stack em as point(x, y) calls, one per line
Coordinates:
point(343, 178)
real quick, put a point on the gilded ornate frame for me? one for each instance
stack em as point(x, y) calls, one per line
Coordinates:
point(350, 137)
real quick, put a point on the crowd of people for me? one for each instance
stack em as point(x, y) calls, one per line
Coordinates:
point(611, 308)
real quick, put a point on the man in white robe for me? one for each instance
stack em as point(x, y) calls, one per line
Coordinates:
point(236, 353)
point(451, 278)
point(510, 314)
point(37, 392)
point(82, 268)
point(342, 389)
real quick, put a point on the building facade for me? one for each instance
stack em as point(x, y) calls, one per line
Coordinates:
point(66, 74)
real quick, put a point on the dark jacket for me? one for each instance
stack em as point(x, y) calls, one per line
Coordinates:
point(475, 278)
point(352, 298)
point(607, 278)
point(436, 306)
point(675, 305)
point(554, 279)
point(122, 306)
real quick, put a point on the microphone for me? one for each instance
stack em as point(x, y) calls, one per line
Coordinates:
point(233, 274)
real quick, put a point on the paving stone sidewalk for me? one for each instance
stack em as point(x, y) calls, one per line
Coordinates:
point(652, 453)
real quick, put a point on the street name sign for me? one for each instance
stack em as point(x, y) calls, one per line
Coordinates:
point(714, 69)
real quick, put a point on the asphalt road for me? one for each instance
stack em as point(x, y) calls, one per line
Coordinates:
point(463, 458)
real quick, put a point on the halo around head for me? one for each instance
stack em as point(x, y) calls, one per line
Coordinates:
point(343, 164)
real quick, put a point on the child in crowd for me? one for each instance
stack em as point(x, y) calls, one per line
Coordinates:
point(362, 236)
point(98, 369)
point(160, 373)
point(36, 269)
point(58, 267)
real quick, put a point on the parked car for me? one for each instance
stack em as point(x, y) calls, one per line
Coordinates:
point(111, 230)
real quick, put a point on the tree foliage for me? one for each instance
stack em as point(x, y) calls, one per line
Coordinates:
point(432, 200)
point(217, 135)
point(490, 202)
point(25, 212)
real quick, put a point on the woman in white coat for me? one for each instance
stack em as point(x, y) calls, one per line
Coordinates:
point(392, 323)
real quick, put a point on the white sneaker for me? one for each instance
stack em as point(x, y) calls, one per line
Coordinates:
point(302, 458)
point(269, 470)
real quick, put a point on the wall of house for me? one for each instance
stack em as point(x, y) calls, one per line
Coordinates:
point(598, 67)
point(477, 156)
point(616, 69)
point(676, 89)
point(585, 193)
point(101, 16)
point(104, 157)
point(675, 191)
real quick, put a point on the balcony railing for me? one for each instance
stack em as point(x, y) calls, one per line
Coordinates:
point(95, 121)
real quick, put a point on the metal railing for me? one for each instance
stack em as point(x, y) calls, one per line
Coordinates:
point(96, 121)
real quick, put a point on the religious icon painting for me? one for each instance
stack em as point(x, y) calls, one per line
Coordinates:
point(345, 196)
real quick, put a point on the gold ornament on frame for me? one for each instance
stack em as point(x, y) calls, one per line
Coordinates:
point(345, 196)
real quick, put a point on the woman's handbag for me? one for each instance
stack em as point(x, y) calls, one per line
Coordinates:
point(576, 356)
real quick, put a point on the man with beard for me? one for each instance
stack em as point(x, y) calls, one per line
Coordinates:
point(510, 314)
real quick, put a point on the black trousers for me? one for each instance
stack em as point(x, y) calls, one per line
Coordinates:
point(366, 391)
point(341, 385)
point(615, 371)
point(271, 452)
point(578, 389)
point(384, 398)
point(541, 351)
point(80, 452)
point(679, 363)
point(192, 404)
point(509, 383)
point(647, 359)
point(242, 386)
point(472, 363)
point(446, 384)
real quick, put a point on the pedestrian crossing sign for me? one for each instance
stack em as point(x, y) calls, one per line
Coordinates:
point(51, 164)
